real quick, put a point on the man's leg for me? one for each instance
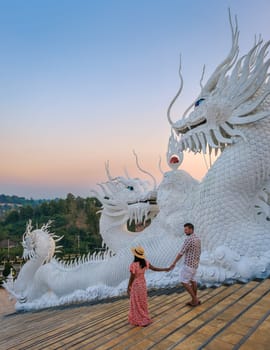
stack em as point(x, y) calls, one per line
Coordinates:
point(190, 290)
point(186, 278)
point(195, 288)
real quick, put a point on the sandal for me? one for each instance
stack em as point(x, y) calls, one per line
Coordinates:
point(193, 305)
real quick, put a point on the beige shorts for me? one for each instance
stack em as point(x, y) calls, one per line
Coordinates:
point(187, 274)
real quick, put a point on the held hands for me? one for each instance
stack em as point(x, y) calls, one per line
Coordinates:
point(167, 269)
point(172, 267)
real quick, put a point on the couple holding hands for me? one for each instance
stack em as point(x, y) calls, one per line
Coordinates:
point(137, 290)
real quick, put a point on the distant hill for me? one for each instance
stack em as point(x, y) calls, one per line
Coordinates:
point(11, 202)
point(19, 200)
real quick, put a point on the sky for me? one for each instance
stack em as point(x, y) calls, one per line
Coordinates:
point(85, 82)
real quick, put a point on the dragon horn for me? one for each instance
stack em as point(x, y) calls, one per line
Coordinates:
point(226, 64)
point(144, 171)
point(177, 94)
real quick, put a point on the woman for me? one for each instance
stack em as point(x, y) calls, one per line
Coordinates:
point(137, 291)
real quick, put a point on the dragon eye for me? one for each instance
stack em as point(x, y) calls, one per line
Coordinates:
point(197, 103)
point(131, 188)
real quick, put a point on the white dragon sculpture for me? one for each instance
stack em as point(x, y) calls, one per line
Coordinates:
point(229, 207)
point(232, 210)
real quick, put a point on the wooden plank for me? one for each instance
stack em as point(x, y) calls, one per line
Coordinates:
point(209, 318)
point(224, 319)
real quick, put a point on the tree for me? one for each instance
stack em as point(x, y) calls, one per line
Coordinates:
point(72, 218)
point(12, 217)
point(26, 213)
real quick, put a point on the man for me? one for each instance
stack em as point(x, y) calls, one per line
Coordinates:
point(192, 251)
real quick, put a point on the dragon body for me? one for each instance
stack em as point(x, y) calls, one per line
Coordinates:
point(231, 116)
point(230, 207)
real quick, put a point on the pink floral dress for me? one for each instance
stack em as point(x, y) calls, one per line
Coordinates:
point(138, 305)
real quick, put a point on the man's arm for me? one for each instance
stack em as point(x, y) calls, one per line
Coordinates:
point(177, 258)
point(180, 254)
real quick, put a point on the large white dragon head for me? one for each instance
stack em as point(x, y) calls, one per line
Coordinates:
point(39, 243)
point(234, 96)
point(128, 199)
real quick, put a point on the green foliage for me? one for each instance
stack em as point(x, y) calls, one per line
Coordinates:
point(74, 218)
point(14, 202)
point(12, 217)
point(7, 268)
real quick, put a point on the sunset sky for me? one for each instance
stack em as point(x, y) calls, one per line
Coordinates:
point(83, 82)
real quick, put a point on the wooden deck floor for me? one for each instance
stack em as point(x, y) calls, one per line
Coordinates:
point(230, 317)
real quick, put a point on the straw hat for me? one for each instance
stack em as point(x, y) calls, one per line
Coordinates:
point(138, 251)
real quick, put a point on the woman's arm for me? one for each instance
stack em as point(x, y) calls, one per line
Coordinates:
point(154, 268)
point(131, 279)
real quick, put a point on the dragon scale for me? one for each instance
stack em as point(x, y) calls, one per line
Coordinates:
point(228, 194)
